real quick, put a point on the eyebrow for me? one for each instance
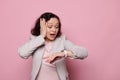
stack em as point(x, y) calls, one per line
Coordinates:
point(52, 23)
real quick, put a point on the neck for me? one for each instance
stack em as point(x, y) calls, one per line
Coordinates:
point(47, 41)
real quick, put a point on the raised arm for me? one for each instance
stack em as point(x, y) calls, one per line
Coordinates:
point(29, 47)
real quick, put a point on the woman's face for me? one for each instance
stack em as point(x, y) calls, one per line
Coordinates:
point(52, 29)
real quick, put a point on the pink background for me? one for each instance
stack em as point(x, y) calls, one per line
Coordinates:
point(94, 24)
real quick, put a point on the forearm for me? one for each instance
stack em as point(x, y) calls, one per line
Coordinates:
point(69, 54)
point(29, 47)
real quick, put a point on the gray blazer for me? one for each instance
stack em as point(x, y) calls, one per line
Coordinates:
point(35, 47)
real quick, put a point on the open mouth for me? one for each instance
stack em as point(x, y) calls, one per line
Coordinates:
point(52, 35)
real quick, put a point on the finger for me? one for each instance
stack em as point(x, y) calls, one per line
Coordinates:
point(43, 19)
point(51, 59)
point(46, 24)
point(45, 57)
point(47, 61)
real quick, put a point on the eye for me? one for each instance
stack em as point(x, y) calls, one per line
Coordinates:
point(57, 27)
point(50, 26)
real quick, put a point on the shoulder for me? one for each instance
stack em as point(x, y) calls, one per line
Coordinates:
point(32, 36)
point(63, 36)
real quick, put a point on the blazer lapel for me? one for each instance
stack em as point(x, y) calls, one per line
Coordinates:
point(54, 46)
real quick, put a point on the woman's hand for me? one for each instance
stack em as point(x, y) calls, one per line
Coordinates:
point(43, 27)
point(53, 57)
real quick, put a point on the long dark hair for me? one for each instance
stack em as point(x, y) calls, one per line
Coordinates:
point(47, 16)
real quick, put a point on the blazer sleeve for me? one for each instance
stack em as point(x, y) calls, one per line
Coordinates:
point(29, 47)
point(78, 51)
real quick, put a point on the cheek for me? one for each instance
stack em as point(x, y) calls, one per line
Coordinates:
point(57, 30)
point(47, 30)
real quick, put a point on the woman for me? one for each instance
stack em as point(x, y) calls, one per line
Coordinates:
point(49, 48)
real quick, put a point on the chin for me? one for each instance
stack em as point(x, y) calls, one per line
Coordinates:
point(52, 39)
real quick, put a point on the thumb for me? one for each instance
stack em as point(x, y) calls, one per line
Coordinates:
point(45, 57)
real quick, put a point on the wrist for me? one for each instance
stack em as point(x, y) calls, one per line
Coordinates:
point(62, 54)
point(65, 53)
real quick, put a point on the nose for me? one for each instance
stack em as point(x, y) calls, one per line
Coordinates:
point(53, 29)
